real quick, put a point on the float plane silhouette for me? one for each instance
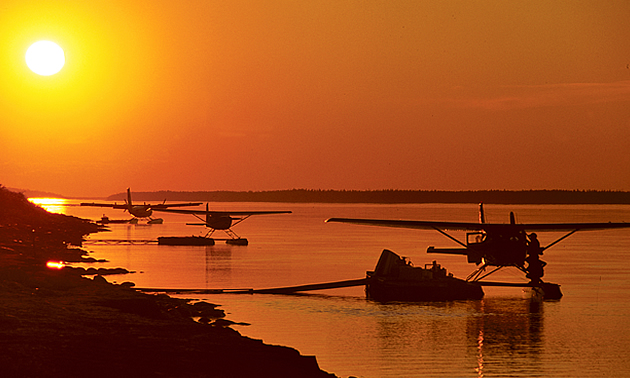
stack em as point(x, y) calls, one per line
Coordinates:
point(221, 220)
point(141, 211)
point(497, 245)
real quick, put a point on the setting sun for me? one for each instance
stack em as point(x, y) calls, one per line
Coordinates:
point(52, 205)
point(45, 58)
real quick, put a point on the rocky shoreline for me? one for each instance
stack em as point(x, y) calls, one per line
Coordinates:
point(55, 322)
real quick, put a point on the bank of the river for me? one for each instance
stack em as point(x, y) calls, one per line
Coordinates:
point(53, 322)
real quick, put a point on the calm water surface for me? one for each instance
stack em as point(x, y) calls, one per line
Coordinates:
point(585, 334)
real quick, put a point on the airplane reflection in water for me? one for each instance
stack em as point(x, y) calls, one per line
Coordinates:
point(497, 334)
point(507, 325)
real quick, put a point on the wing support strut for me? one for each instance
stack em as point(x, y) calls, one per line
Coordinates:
point(478, 273)
point(561, 239)
point(239, 220)
point(450, 237)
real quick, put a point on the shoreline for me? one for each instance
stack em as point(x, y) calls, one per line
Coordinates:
point(386, 196)
point(504, 197)
point(55, 322)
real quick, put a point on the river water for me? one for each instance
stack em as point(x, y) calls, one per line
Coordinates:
point(585, 334)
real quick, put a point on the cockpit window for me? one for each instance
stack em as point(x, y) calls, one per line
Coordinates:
point(475, 237)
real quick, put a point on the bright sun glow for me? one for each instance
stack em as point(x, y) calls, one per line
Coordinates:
point(45, 58)
point(55, 264)
point(52, 205)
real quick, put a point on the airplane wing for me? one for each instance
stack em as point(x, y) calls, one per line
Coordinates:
point(153, 207)
point(572, 226)
point(464, 226)
point(423, 225)
point(112, 205)
point(227, 213)
point(167, 205)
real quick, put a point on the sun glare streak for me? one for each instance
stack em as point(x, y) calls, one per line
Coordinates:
point(52, 205)
point(55, 264)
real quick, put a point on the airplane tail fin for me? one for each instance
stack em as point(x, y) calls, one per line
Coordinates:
point(512, 219)
point(129, 204)
point(482, 216)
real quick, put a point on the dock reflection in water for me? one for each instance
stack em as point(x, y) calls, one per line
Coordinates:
point(218, 263)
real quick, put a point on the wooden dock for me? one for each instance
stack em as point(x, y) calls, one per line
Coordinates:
point(118, 241)
point(277, 290)
point(238, 242)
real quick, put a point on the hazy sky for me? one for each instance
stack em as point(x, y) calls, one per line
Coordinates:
point(263, 95)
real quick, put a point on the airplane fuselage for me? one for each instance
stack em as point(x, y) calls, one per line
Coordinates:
point(499, 248)
point(218, 222)
point(140, 211)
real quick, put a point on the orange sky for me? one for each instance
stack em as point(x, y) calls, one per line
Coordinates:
point(249, 95)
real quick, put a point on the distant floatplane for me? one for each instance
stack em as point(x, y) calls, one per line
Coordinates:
point(141, 211)
point(214, 220)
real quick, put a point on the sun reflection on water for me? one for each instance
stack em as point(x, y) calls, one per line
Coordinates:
point(53, 205)
point(55, 265)
point(480, 361)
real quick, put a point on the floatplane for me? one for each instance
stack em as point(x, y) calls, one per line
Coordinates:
point(214, 220)
point(143, 211)
point(490, 246)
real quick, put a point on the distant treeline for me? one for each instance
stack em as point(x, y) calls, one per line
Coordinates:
point(390, 196)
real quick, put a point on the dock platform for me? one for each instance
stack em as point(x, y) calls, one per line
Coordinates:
point(168, 240)
point(118, 241)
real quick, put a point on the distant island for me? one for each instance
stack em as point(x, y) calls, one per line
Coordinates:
point(392, 196)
